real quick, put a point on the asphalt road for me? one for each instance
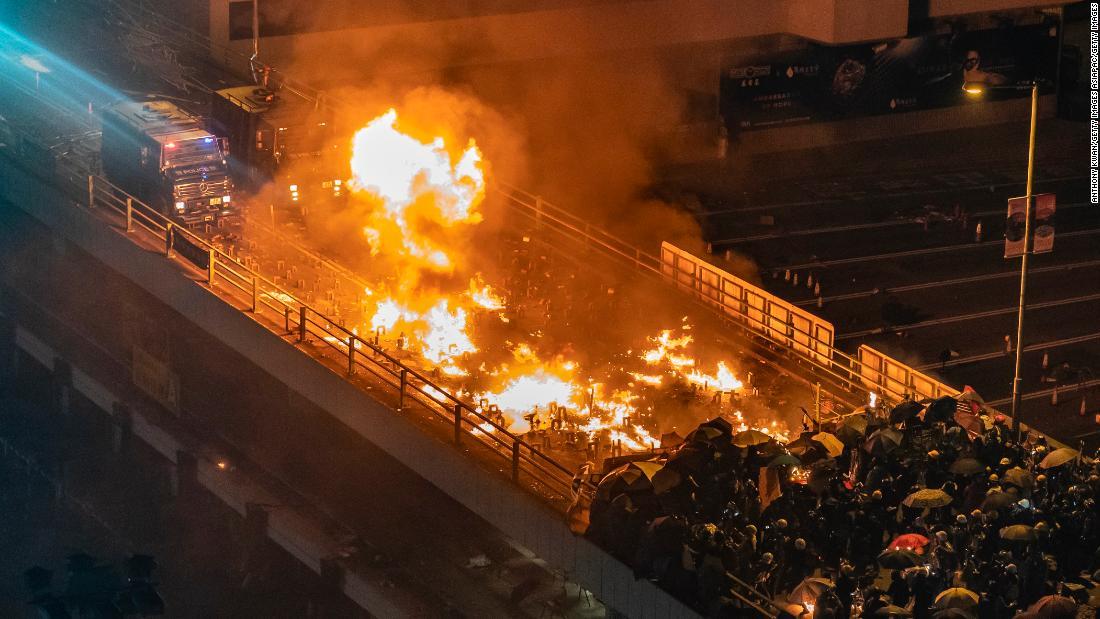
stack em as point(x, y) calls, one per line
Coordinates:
point(898, 268)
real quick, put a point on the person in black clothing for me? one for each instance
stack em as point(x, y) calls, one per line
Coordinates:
point(923, 594)
point(898, 590)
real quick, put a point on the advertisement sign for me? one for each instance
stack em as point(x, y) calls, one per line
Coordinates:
point(1014, 227)
point(814, 82)
point(1043, 239)
point(1042, 225)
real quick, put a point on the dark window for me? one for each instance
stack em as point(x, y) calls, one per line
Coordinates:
point(240, 20)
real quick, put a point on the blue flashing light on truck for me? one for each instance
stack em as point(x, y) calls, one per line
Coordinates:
point(166, 158)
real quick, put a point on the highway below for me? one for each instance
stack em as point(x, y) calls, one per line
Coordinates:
point(896, 261)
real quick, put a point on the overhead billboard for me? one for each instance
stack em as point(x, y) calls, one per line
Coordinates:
point(815, 82)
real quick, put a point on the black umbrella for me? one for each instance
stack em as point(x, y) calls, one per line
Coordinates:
point(720, 424)
point(941, 409)
point(631, 478)
point(807, 449)
point(852, 429)
point(1052, 607)
point(997, 500)
point(882, 442)
point(899, 559)
point(905, 411)
point(784, 460)
point(967, 466)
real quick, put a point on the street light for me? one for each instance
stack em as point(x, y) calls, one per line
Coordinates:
point(979, 88)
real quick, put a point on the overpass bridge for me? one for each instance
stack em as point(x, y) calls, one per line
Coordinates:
point(242, 296)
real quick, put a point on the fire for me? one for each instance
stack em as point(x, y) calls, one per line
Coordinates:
point(539, 389)
point(722, 380)
point(666, 345)
point(446, 338)
point(482, 294)
point(388, 313)
point(423, 201)
point(418, 187)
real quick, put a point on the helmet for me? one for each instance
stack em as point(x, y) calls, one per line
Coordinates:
point(994, 477)
point(1024, 504)
point(877, 495)
point(1040, 478)
point(751, 529)
point(961, 519)
point(977, 513)
point(767, 557)
point(1011, 568)
point(800, 544)
point(941, 536)
point(781, 523)
point(1005, 462)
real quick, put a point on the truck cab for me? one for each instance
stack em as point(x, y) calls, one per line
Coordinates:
point(165, 157)
point(279, 143)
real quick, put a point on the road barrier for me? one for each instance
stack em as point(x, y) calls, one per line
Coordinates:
point(780, 320)
point(896, 380)
point(235, 281)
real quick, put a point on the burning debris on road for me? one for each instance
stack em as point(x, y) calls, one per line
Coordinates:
point(569, 367)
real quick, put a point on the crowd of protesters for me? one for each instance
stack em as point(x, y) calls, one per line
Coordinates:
point(929, 510)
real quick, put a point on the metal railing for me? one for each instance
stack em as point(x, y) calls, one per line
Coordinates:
point(829, 364)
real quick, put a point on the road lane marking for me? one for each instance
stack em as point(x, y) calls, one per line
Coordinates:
point(1001, 354)
point(876, 224)
point(915, 252)
point(949, 282)
point(964, 317)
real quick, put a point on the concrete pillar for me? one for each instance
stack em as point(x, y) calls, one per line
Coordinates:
point(62, 386)
point(122, 430)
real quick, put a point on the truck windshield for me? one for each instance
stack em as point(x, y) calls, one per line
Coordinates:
point(187, 152)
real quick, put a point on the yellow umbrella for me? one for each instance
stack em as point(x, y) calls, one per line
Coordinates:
point(929, 497)
point(1058, 457)
point(649, 468)
point(957, 597)
point(1018, 533)
point(831, 443)
point(749, 438)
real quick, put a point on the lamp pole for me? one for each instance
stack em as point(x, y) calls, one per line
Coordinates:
point(977, 88)
point(1030, 199)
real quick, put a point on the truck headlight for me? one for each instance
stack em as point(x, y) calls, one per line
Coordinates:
point(180, 206)
point(225, 199)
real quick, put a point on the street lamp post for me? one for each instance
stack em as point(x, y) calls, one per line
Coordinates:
point(977, 89)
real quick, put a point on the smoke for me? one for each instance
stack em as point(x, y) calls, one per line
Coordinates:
point(586, 132)
point(589, 134)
